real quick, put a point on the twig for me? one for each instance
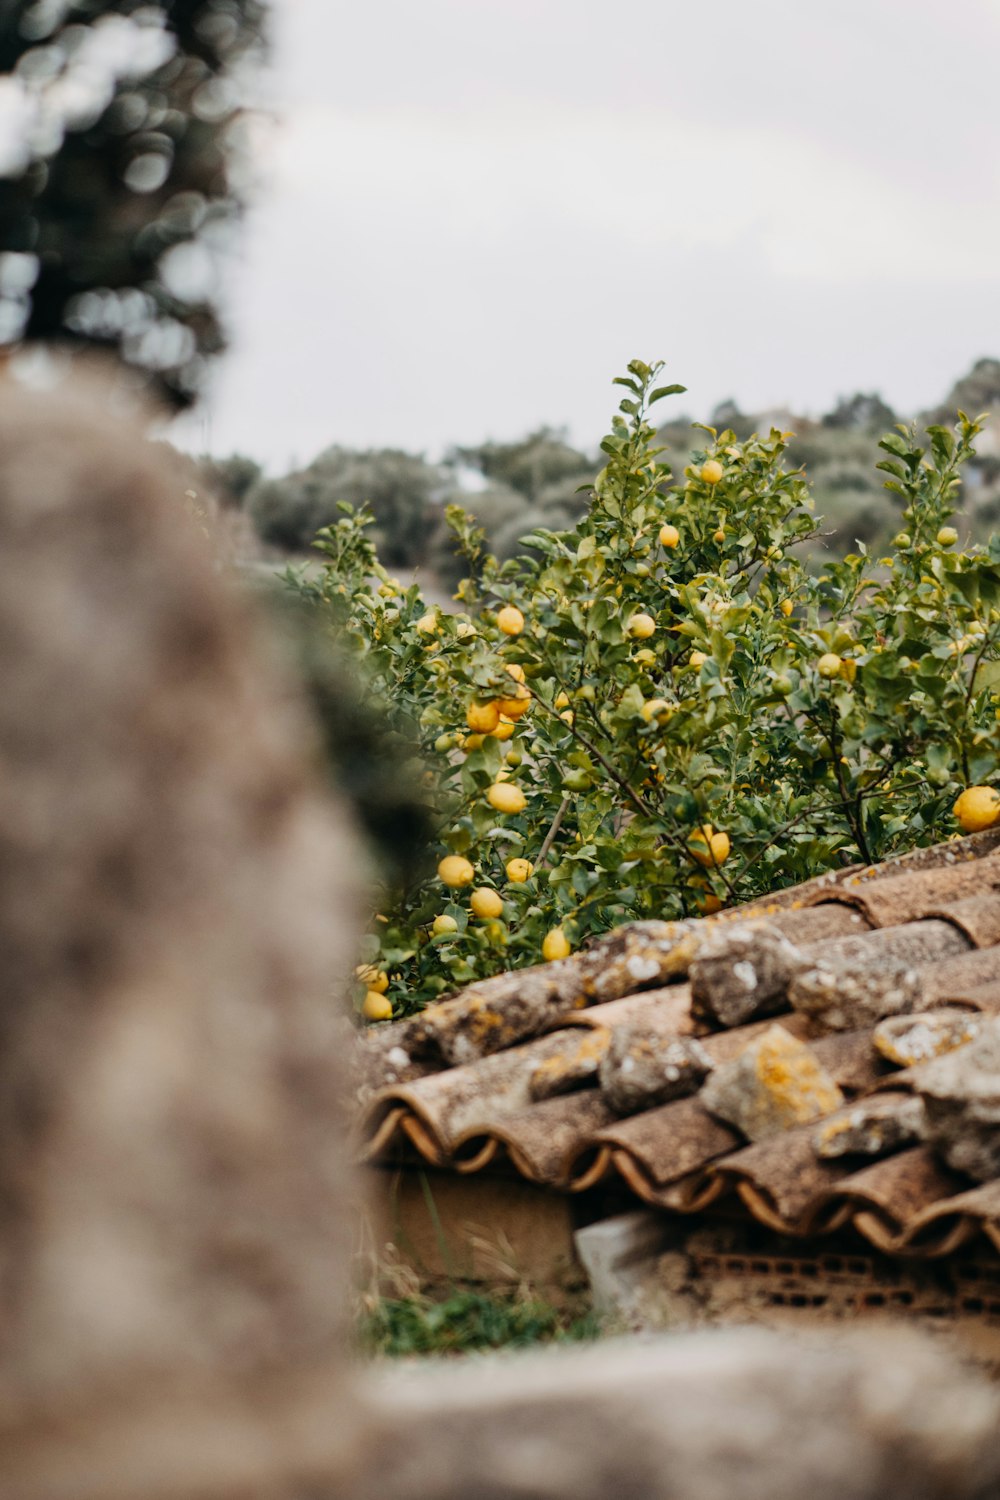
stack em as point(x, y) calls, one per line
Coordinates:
point(550, 836)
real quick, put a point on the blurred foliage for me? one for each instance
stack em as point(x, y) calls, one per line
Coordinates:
point(230, 478)
point(400, 489)
point(468, 1321)
point(532, 465)
point(118, 180)
point(374, 765)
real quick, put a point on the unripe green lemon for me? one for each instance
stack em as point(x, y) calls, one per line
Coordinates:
point(829, 664)
point(443, 923)
point(947, 536)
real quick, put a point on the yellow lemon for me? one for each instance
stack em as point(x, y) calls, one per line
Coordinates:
point(515, 670)
point(483, 718)
point(719, 536)
point(562, 700)
point(641, 626)
point(455, 870)
point(947, 536)
point(486, 902)
point(443, 923)
point(519, 870)
point(829, 664)
point(510, 620)
point(567, 716)
point(645, 657)
point(375, 1007)
point(709, 904)
point(656, 708)
point(709, 848)
point(472, 742)
point(504, 729)
point(978, 807)
point(786, 607)
point(711, 471)
point(669, 536)
point(372, 978)
point(506, 798)
point(698, 658)
point(555, 945)
point(428, 623)
point(514, 707)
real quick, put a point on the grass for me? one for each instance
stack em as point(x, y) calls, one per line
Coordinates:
point(467, 1322)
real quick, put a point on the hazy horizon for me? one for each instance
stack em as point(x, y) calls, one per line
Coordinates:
point(470, 218)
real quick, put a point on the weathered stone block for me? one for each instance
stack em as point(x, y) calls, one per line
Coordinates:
point(961, 1094)
point(642, 1068)
point(777, 1082)
point(908, 1040)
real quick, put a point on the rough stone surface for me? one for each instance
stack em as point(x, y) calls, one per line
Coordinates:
point(493, 1014)
point(777, 1082)
point(572, 1068)
point(961, 1094)
point(176, 896)
point(710, 1416)
point(846, 996)
point(856, 981)
point(742, 972)
point(642, 1068)
point(908, 1040)
point(873, 1127)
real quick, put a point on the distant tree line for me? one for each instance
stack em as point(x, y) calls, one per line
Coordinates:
point(541, 480)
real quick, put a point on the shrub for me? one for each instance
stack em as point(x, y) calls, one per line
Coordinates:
point(683, 677)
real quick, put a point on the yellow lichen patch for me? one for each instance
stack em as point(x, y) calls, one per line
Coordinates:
point(831, 1130)
point(797, 1085)
point(678, 960)
point(574, 1065)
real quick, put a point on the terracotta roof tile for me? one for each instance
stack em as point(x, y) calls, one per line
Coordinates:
point(531, 1103)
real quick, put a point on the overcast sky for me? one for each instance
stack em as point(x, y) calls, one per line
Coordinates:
point(473, 213)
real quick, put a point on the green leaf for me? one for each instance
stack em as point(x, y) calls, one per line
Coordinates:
point(666, 390)
point(987, 675)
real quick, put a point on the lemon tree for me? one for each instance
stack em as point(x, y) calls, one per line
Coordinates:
point(661, 711)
